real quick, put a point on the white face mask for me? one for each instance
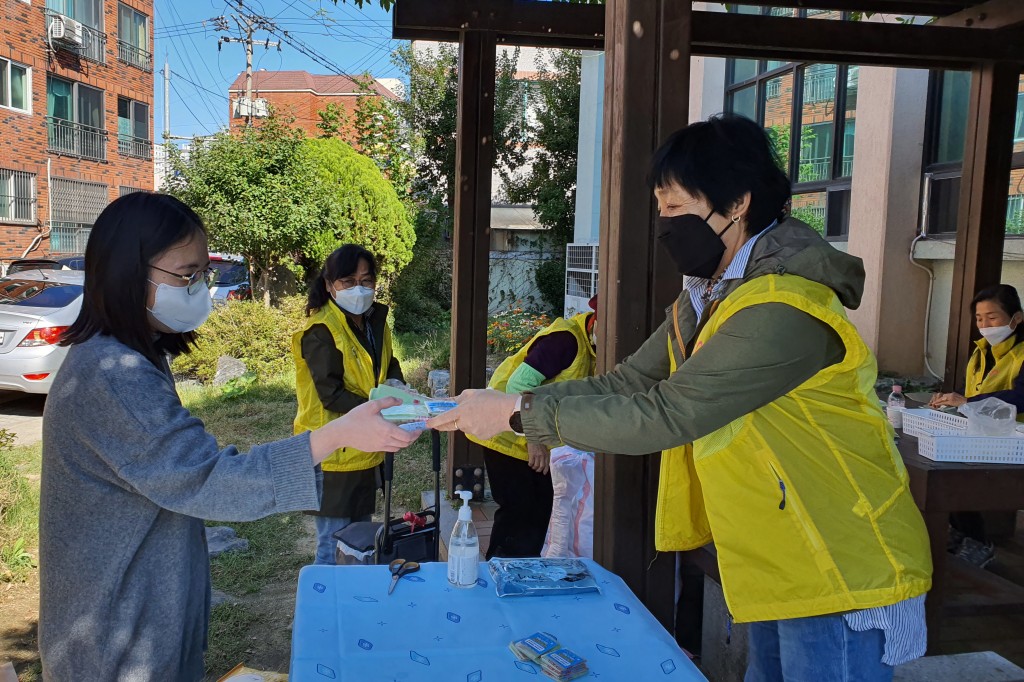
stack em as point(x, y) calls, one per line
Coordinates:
point(179, 310)
point(355, 300)
point(996, 335)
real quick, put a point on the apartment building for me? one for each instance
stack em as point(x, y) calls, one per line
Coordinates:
point(299, 95)
point(76, 117)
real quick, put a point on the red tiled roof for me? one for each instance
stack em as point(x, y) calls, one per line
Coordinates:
point(303, 80)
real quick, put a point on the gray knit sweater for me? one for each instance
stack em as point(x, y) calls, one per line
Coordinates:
point(127, 476)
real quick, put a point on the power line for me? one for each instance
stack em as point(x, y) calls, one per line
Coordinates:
point(200, 87)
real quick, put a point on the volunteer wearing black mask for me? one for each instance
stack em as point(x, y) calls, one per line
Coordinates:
point(759, 392)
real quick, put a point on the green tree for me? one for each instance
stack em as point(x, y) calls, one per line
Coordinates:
point(428, 111)
point(380, 135)
point(358, 205)
point(256, 191)
point(549, 185)
point(333, 120)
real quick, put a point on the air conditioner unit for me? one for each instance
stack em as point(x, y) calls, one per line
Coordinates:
point(66, 30)
point(580, 277)
point(57, 28)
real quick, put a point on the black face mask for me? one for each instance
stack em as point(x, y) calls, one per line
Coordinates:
point(693, 244)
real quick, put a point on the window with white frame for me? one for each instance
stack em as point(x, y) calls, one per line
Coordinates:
point(17, 196)
point(15, 85)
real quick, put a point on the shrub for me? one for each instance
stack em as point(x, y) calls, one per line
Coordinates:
point(550, 277)
point(359, 206)
point(260, 337)
point(508, 331)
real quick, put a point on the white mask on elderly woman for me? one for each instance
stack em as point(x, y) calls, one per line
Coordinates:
point(996, 335)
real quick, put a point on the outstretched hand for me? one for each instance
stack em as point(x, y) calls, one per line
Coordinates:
point(364, 429)
point(480, 413)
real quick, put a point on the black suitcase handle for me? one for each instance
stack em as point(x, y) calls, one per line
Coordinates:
point(386, 544)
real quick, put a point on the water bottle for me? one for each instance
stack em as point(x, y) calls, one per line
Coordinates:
point(464, 547)
point(894, 407)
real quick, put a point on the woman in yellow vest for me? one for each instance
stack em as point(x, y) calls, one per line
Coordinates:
point(994, 371)
point(519, 474)
point(759, 392)
point(342, 352)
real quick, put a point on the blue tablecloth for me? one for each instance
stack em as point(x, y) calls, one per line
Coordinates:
point(347, 627)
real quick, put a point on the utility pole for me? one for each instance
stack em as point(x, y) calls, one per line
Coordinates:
point(167, 99)
point(247, 25)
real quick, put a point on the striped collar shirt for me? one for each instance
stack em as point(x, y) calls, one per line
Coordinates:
point(704, 290)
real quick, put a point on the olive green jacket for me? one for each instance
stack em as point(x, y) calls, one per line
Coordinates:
point(757, 356)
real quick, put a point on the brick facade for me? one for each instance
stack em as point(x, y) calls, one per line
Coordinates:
point(301, 95)
point(24, 140)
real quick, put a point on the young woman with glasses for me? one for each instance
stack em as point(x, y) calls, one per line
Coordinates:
point(128, 475)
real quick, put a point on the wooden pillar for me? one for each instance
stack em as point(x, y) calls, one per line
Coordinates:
point(474, 159)
point(647, 71)
point(981, 222)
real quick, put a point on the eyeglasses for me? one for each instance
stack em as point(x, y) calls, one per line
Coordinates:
point(194, 280)
point(349, 282)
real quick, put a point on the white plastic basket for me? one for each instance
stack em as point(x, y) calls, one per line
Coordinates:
point(921, 421)
point(955, 446)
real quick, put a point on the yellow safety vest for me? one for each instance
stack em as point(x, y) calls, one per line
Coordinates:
point(359, 379)
point(1009, 355)
point(806, 498)
point(582, 366)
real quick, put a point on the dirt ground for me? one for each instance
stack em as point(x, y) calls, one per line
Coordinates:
point(271, 636)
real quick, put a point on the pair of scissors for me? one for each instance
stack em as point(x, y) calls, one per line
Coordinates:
point(399, 568)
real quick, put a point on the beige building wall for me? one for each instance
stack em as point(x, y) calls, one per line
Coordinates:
point(885, 213)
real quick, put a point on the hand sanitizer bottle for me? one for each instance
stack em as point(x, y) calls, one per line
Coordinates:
point(464, 547)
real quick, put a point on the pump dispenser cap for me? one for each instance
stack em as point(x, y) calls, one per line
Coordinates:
point(465, 513)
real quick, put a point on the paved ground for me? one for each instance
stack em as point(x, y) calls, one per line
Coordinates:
point(22, 414)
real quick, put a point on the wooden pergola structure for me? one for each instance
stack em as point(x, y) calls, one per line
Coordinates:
point(648, 45)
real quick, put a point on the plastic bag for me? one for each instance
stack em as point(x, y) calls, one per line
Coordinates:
point(571, 529)
point(540, 577)
point(990, 417)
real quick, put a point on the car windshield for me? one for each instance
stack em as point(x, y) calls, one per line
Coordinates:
point(229, 274)
point(36, 293)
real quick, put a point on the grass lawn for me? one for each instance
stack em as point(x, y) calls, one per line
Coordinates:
point(19, 511)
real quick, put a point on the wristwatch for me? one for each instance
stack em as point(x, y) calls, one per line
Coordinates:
point(515, 422)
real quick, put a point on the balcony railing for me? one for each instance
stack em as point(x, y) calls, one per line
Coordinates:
point(135, 147)
point(819, 87)
point(76, 139)
point(815, 170)
point(69, 238)
point(93, 43)
point(134, 56)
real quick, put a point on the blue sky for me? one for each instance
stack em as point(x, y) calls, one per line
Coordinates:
point(341, 35)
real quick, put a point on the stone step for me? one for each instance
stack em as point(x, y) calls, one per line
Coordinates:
point(985, 666)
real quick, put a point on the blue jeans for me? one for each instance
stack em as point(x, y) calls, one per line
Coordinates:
point(816, 649)
point(326, 527)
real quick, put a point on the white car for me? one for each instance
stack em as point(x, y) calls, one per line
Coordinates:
point(36, 307)
point(231, 279)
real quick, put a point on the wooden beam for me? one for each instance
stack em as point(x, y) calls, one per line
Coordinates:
point(719, 34)
point(913, 7)
point(550, 21)
point(989, 15)
point(474, 162)
point(981, 221)
point(815, 40)
point(646, 94)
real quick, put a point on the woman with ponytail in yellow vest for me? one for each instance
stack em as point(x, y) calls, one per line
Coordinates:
point(759, 392)
point(519, 472)
point(342, 352)
point(994, 371)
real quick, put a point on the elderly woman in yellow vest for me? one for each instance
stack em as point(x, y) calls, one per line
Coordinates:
point(342, 352)
point(519, 473)
point(994, 371)
point(760, 393)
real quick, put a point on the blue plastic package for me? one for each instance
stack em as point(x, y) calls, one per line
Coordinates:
point(540, 577)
